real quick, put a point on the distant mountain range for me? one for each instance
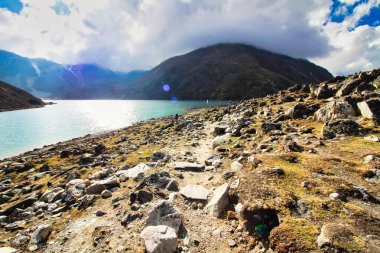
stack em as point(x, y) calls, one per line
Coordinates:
point(12, 98)
point(48, 79)
point(224, 71)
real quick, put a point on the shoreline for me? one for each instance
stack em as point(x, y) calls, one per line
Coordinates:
point(98, 134)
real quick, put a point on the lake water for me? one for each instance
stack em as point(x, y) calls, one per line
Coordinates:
point(24, 130)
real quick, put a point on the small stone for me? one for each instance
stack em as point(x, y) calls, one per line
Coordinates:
point(106, 194)
point(231, 243)
point(335, 196)
point(100, 213)
point(236, 166)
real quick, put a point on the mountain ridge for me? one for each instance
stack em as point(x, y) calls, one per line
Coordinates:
point(225, 71)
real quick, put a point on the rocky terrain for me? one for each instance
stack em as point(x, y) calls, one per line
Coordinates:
point(223, 72)
point(298, 171)
point(12, 98)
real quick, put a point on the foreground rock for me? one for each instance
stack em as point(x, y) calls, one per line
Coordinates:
point(219, 201)
point(333, 128)
point(186, 166)
point(159, 239)
point(165, 213)
point(337, 237)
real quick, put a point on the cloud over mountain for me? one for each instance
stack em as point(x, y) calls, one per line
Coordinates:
point(139, 34)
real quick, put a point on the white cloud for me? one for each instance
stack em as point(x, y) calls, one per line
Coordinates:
point(138, 34)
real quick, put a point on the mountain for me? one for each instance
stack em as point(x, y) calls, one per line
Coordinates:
point(225, 71)
point(12, 98)
point(48, 79)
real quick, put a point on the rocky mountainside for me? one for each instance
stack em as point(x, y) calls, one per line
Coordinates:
point(297, 171)
point(48, 79)
point(12, 98)
point(223, 72)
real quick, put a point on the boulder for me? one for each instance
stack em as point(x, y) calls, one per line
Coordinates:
point(52, 195)
point(75, 188)
point(159, 239)
point(219, 130)
point(195, 192)
point(339, 108)
point(98, 186)
point(270, 126)
point(164, 213)
point(370, 108)
point(41, 234)
point(336, 236)
point(159, 179)
point(186, 166)
point(323, 92)
point(219, 201)
point(221, 140)
point(135, 171)
point(235, 165)
point(348, 85)
point(298, 111)
point(336, 127)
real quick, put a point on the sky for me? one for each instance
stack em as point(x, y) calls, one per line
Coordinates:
point(340, 35)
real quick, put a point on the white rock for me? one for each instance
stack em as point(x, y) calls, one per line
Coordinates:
point(159, 239)
point(235, 165)
point(135, 171)
point(196, 192)
point(372, 138)
point(7, 250)
point(219, 201)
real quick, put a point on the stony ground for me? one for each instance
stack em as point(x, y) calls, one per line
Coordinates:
point(298, 171)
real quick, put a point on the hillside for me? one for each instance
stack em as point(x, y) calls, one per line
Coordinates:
point(225, 71)
point(48, 79)
point(12, 98)
point(297, 171)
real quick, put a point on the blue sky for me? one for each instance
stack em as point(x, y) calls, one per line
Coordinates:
point(341, 35)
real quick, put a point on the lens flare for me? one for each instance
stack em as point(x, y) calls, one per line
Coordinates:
point(166, 87)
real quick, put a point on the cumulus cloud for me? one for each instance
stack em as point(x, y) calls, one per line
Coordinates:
point(139, 34)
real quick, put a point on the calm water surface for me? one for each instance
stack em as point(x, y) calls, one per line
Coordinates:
point(24, 130)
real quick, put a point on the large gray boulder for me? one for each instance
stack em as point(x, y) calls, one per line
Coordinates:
point(219, 201)
point(348, 86)
point(159, 239)
point(41, 234)
point(333, 128)
point(339, 108)
point(165, 213)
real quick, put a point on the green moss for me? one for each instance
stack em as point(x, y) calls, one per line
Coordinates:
point(294, 235)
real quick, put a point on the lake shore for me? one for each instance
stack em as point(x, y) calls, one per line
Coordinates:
point(261, 175)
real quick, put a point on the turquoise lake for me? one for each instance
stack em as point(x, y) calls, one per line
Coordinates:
point(25, 130)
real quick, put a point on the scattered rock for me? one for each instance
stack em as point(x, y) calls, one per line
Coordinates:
point(164, 213)
point(219, 201)
point(186, 166)
point(370, 108)
point(335, 236)
point(41, 234)
point(159, 239)
point(195, 192)
point(236, 166)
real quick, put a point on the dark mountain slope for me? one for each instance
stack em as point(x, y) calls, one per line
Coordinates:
point(12, 98)
point(225, 71)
